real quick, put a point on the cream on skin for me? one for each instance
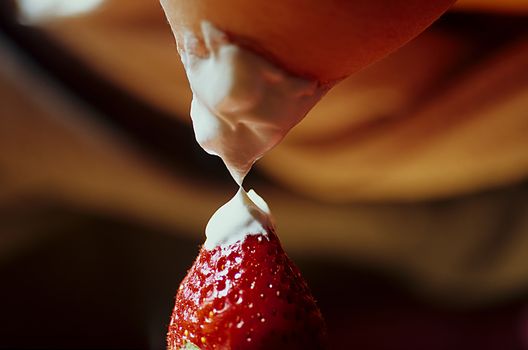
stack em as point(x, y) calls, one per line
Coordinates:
point(245, 214)
point(243, 105)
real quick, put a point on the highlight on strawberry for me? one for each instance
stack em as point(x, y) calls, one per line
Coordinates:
point(245, 295)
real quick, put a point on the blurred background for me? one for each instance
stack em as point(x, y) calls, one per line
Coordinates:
point(403, 196)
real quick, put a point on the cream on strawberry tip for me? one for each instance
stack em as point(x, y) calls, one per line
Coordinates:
point(245, 214)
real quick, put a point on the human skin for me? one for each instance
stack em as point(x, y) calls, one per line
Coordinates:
point(319, 39)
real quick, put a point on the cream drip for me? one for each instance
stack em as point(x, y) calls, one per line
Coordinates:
point(242, 106)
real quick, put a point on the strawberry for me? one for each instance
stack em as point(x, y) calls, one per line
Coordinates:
point(246, 295)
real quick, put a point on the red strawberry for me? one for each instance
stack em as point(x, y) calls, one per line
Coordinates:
point(248, 295)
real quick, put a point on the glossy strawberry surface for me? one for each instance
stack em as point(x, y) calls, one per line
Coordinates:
point(248, 295)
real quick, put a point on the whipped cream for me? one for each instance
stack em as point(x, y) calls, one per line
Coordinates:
point(242, 105)
point(245, 214)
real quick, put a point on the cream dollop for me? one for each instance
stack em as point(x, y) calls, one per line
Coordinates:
point(245, 214)
point(243, 105)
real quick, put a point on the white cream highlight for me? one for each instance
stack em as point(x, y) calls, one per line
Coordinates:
point(242, 105)
point(35, 11)
point(245, 214)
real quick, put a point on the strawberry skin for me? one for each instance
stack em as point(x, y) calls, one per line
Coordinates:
point(248, 295)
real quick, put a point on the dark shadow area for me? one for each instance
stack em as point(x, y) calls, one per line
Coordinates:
point(95, 281)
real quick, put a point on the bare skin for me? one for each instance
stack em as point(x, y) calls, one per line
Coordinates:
point(325, 40)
